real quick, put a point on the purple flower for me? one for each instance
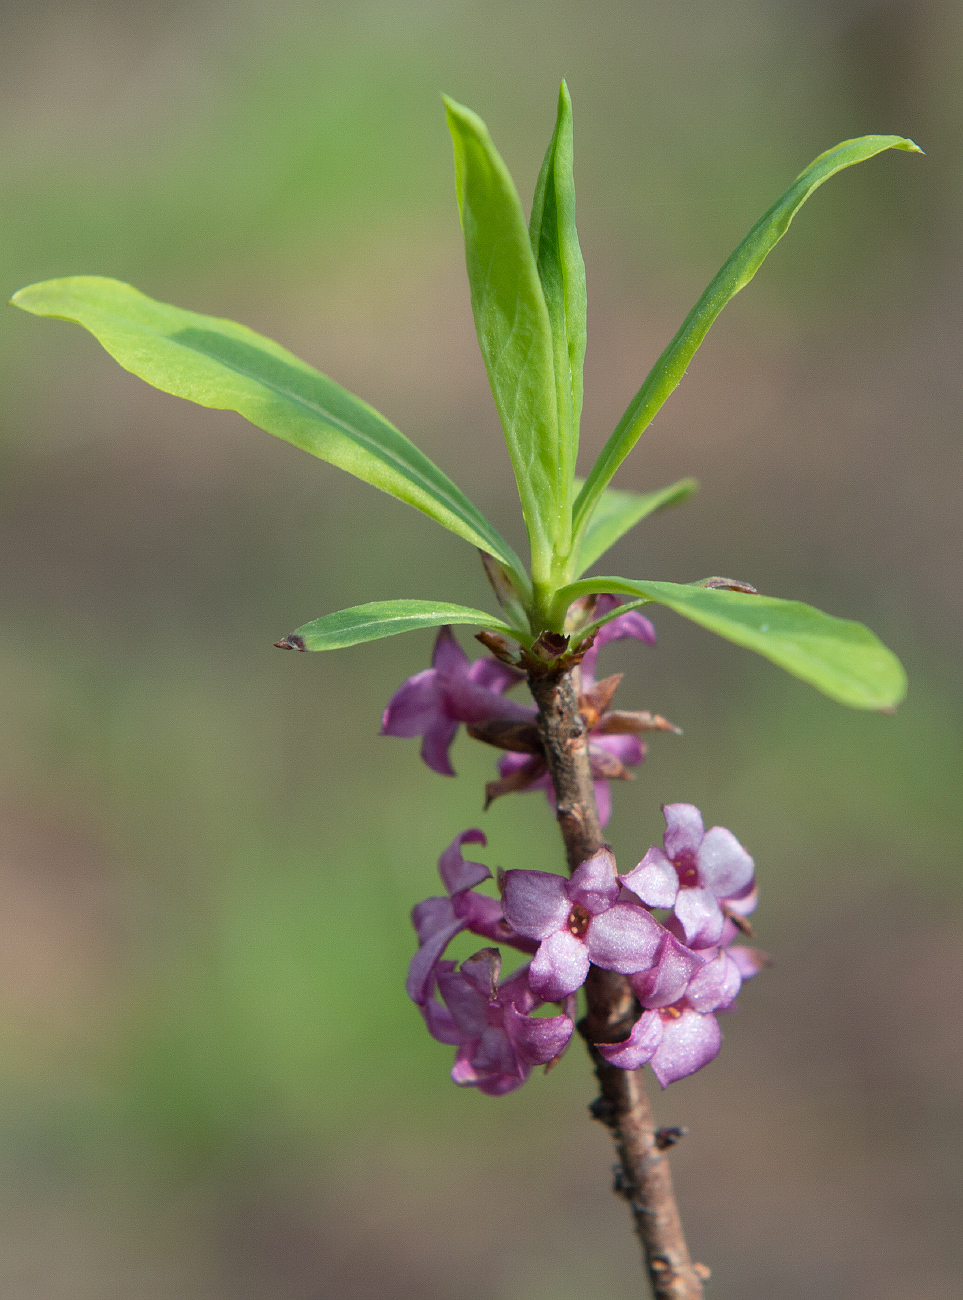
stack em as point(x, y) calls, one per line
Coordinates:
point(438, 920)
point(631, 624)
point(680, 1036)
point(453, 690)
point(702, 875)
point(577, 922)
point(614, 742)
point(677, 1032)
point(750, 961)
point(498, 1041)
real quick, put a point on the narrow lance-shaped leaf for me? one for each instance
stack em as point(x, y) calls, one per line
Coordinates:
point(220, 364)
point(617, 512)
point(506, 591)
point(734, 275)
point(562, 273)
point(843, 659)
point(513, 328)
point(384, 618)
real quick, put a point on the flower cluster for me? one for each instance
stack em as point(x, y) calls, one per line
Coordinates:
point(491, 1024)
point(455, 691)
point(682, 969)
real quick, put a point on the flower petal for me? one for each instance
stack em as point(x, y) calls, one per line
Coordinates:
point(631, 624)
point(489, 1064)
point(448, 658)
point(640, 1045)
point(466, 702)
point(441, 1024)
point(497, 1085)
point(512, 762)
point(495, 1054)
point(714, 987)
point(559, 967)
point(595, 884)
point(414, 706)
point(431, 915)
point(436, 743)
point(668, 979)
point(724, 865)
point(422, 967)
point(701, 917)
point(626, 748)
point(463, 1072)
point(626, 938)
point(485, 916)
point(536, 902)
point(537, 1039)
point(494, 675)
point(688, 1043)
point(455, 872)
point(603, 801)
point(749, 960)
point(654, 880)
point(744, 901)
point(515, 990)
point(684, 829)
point(468, 1007)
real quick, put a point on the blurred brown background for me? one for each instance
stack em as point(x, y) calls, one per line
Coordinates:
point(212, 1087)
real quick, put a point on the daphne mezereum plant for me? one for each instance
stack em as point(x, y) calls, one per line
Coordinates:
point(652, 947)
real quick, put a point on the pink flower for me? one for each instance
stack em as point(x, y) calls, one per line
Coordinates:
point(702, 875)
point(453, 690)
point(437, 920)
point(497, 1038)
point(577, 922)
point(614, 742)
point(569, 925)
point(680, 1036)
point(630, 625)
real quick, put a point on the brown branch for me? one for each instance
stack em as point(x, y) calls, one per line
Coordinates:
point(644, 1177)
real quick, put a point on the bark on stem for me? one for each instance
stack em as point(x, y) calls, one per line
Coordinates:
point(644, 1176)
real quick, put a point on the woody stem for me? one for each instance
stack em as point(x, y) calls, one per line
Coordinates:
point(645, 1178)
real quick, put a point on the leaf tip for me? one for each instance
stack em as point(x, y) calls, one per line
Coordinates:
point(458, 113)
point(728, 584)
point(21, 298)
point(889, 710)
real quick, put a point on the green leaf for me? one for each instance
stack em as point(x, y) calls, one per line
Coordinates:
point(387, 618)
point(220, 364)
point(616, 512)
point(514, 331)
point(508, 595)
point(562, 273)
point(735, 274)
point(842, 659)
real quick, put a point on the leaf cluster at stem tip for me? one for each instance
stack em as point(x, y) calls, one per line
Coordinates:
point(528, 296)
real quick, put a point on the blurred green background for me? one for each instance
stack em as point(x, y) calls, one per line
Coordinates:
point(212, 1087)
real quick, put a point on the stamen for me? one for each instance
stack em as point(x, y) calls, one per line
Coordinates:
point(578, 921)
